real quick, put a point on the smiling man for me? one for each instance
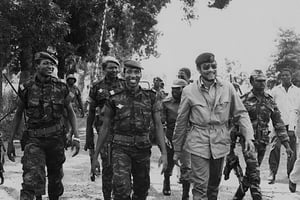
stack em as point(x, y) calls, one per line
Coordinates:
point(207, 105)
point(131, 110)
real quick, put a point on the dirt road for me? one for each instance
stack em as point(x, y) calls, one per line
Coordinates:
point(79, 187)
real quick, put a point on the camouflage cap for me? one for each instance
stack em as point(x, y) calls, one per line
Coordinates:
point(107, 59)
point(205, 58)
point(179, 83)
point(45, 55)
point(132, 64)
point(258, 74)
point(71, 76)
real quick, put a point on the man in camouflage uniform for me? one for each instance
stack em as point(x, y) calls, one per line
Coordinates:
point(131, 111)
point(169, 115)
point(43, 98)
point(75, 94)
point(261, 108)
point(99, 94)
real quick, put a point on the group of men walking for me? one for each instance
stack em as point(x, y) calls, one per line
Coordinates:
point(193, 129)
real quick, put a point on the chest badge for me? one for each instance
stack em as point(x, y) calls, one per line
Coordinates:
point(111, 92)
point(120, 106)
point(100, 90)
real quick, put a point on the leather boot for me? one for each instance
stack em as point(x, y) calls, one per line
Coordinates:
point(185, 190)
point(239, 195)
point(166, 186)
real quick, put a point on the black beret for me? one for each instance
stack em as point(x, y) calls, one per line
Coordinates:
point(132, 64)
point(45, 55)
point(205, 58)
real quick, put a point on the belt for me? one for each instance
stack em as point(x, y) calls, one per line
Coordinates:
point(209, 126)
point(130, 139)
point(46, 132)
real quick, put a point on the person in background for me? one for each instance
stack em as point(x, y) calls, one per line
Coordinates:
point(169, 115)
point(285, 96)
point(185, 74)
point(98, 95)
point(75, 95)
point(206, 105)
point(261, 109)
point(131, 111)
point(43, 99)
point(157, 87)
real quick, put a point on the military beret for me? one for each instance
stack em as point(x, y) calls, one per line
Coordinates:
point(205, 58)
point(45, 55)
point(258, 74)
point(132, 64)
point(179, 83)
point(107, 59)
point(157, 79)
point(71, 76)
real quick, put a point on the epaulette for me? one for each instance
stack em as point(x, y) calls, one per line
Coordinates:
point(118, 91)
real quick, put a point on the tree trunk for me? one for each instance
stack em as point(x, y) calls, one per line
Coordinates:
point(26, 63)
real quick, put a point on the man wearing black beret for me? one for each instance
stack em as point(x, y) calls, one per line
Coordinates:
point(207, 104)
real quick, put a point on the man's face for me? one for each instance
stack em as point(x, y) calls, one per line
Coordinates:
point(285, 77)
point(45, 67)
point(112, 70)
point(296, 81)
point(182, 75)
point(258, 85)
point(132, 76)
point(71, 81)
point(208, 71)
point(156, 83)
point(176, 92)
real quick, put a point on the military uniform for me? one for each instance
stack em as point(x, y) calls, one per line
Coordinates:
point(261, 109)
point(132, 112)
point(43, 138)
point(100, 93)
point(76, 99)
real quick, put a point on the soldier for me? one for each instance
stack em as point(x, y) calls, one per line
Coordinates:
point(43, 98)
point(206, 105)
point(99, 94)
point(157, 87)
point(261, 108)
point(169, 115)
point(75, 94)
point(131, 111)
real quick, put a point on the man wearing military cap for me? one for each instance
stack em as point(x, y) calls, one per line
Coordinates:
point(206, 105)
point(43, 99)
point(261, 109)
point(169, 115)
point(131, 111)
point(98, 95)
point(75, 95)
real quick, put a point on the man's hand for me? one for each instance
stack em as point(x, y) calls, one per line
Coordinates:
point(76, 145)
point(249, 146)
point(289, 152)
point(81, 113)
point(163, 160)
point(176, 158)
point(11, 152)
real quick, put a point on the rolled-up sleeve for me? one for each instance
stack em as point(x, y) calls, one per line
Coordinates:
point(182, 120)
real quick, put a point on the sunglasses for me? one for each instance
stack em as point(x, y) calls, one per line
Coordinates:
point(207, 66)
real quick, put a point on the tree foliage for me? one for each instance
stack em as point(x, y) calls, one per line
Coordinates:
point(288, 50)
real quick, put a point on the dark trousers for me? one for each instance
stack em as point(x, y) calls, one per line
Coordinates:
point(130, 162)
point(38, 154)
point(206, 176)
point(107, 172)
point(274, 158)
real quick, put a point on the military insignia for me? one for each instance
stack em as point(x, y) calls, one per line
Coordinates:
point(100, 90)
point(120, 106)
point(22, 87)
point(111, 92)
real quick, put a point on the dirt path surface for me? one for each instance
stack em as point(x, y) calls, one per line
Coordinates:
point(79, 187)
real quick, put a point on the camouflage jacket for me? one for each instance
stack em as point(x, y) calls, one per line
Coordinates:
point(133, 112)
point(44, 102)
point(261, 109)
point(102, 90)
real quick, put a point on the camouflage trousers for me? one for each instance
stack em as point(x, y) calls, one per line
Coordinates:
point(38, 154)
point(129, 161)
point(251, 178)
point(107, 172)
